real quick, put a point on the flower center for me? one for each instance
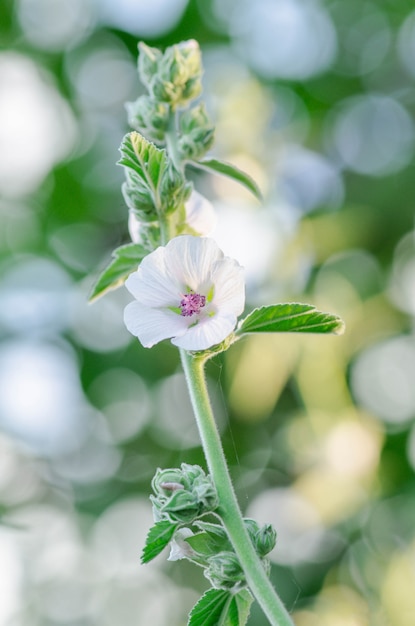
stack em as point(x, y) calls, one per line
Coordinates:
point(192, 303)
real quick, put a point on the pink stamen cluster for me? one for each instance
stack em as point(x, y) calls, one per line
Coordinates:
point(192, 303)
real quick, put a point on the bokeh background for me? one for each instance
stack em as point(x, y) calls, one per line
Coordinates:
point(316, 100)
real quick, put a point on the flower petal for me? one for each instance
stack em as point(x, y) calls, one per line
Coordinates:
point(151, 284)
point(200, 214)
point(206, 333)
point(229, 282)
point(152, 325)
point(190, 259)
point(134, 227)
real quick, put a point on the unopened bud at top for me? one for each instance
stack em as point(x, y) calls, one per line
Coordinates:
point(173, 77)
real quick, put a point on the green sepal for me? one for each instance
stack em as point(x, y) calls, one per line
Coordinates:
point(221, 607)
point(231, 171)
point(290, 317)
point(126, 260)
point(157, 539)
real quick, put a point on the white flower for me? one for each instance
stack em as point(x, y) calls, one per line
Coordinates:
point(187, 291)
point(179, 548)
point(200, 216)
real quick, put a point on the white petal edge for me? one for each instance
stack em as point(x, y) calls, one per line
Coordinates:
point(229, 281)
point(134, 227)
point(200, 214)
point(207, 333)
point(151, 326)
point(151, 284)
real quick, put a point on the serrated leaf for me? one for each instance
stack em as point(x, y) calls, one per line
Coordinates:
point(144, 158)
point(231, 171)
point(125, 260)
point(209, 611)
point(290, 317)
point(239, 609)
point(157, 539)
point(219, 607)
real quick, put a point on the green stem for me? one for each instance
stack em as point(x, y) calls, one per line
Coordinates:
point(229, 510)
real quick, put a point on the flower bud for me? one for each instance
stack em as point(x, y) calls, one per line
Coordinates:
point(139, 200)
point(148, 60)
point(149, 117)
point(263, 537)
point(197, 133)
point(174, 190)
point(224, 570)
point(182, 495)
point(178, 76)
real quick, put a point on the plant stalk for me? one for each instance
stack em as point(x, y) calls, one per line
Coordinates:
point(229, 510)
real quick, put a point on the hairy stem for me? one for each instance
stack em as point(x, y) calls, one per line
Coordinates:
point(229, 510)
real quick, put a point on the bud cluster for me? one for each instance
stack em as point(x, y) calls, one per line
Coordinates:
point(169, 130)
point(173, 80)
point(182, 495)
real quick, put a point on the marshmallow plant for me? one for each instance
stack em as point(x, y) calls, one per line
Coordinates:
point(187, 291)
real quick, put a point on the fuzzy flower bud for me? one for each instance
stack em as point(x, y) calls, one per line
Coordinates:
point(197, 133)
point(182, 495)
point(263, 537)
point(178, 76)
point(224, 570)
point(138, 197)
point(148, 117)
point(148, 60)
point(174, 190)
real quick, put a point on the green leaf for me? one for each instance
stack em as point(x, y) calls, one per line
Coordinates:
point(239, 608)
point(219, 607)
point(126, 260)
point(214, 539)
point(231, 171)
point(209, 611)
point(290, 317)
point(205, 544)
point(157, 539)
point(144, 158)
